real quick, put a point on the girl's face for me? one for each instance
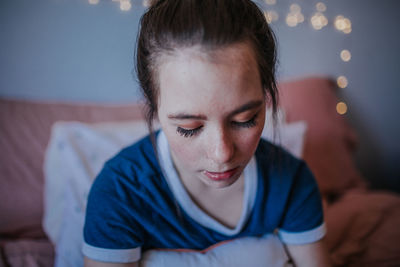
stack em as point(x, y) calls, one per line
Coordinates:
point(212, 111)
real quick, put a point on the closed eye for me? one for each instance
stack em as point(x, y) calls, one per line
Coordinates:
point(188, 132)
point(241, 124)
point(246, 124)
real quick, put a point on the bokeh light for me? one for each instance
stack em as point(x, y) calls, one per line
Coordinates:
point(342, 81)
point(291, 20)
point(345, 55)
point(318, 21)
point(146, 3)
point(295, 16)
point(125, 5)
point(270, 2)
point(271, 16)
point(343, 24)
point(300, 17)
point(341, 108)
point(295, 8)
point(321, 7)
point(94, 2)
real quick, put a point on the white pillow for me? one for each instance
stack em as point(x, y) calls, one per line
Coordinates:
point(75, 155)
point(288, 135)
point(249, 251)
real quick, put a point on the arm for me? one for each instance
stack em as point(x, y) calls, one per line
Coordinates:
point(92, 263)
point(313, 254)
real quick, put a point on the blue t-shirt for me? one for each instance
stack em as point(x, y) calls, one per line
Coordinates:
point(134, 204)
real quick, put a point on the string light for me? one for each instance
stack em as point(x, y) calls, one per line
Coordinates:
point(318, 21)
point(125, 5)
point(271, 16)
point(295, 8)
point(94, 2)
point(342, 81)
point(341, 108)
point(321, 7)
point(345, 55)
point(295, 16)
point(343, 24)
point(270, 2)
point(146, 3)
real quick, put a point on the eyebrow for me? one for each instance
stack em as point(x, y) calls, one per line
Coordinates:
point(184, 116)
point(251, 105)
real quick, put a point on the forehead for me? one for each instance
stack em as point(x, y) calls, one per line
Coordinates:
point(242, 51)
point(194, 78)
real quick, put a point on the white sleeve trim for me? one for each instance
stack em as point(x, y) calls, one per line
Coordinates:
point(112, 255)
point(300, 238)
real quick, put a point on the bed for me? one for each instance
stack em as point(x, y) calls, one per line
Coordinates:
point(362, 222)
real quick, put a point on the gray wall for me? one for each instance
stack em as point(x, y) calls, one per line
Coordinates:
point(71, 51)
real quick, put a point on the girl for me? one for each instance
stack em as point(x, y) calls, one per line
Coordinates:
point(207, 70)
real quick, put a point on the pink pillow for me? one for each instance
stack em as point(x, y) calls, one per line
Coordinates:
point(28, 253)
point(363, 229)
point(330, 141)
point(24, 133)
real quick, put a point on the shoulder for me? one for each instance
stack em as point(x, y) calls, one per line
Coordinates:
point(282, 172)
point(121, 198)
point(133, 165)
point(131, 179)
point(291, 194)
point(141, 156)
point(276, 161)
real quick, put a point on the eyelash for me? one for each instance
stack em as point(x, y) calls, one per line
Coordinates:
point(188, 132)
point(191, 132)
point(246, 124)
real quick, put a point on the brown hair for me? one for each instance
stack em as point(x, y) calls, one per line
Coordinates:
point(169, 25)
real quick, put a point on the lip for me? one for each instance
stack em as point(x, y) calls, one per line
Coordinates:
point(219, 176)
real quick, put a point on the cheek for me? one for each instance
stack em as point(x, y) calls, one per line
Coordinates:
point(248, 143)
point(181, 147)
point(184, 150)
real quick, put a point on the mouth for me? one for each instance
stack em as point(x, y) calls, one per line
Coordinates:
point(220, 176)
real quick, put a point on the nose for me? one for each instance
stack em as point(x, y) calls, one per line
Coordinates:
point(221, 148)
